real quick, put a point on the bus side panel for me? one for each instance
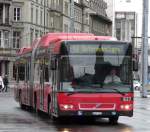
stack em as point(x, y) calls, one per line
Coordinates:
point(47, 92)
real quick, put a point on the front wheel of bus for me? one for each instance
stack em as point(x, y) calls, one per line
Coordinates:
point(35, 103)
point(53, 118)
point(113, 120)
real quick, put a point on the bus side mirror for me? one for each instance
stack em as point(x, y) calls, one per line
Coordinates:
point(135, 65)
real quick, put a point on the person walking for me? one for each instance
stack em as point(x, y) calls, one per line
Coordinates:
point(5, 81)
point(1, 84)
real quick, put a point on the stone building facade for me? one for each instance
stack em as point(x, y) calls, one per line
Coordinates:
point(126, 25)
point(7, 54)
point(21, 21)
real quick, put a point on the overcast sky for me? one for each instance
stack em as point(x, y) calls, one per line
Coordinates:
point(133, 5)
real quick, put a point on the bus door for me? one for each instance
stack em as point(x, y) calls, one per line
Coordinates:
point(54, 73)
point(27, 84)
point(41, 84)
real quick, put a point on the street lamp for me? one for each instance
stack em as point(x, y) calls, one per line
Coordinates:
point(145, 48)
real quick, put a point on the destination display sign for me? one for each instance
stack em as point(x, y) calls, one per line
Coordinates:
point(96, 48)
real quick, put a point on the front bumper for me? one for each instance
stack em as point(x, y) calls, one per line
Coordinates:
point(96, 113)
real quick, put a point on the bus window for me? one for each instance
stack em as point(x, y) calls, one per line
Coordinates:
point(37, 71)
point(46, 73)
point(15, 68)
point(21, 72)
point(27, 72)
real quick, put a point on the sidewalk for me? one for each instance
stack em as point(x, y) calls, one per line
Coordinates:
point(10, 90)
point(11, 84)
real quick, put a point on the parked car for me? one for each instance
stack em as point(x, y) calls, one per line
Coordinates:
point(136, 85)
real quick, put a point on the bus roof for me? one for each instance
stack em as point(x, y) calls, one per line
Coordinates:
point(56, 38)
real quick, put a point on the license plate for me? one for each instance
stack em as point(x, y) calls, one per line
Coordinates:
point(97, 113)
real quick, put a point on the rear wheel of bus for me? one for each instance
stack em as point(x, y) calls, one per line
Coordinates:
point(35, 102)
point(54, 118)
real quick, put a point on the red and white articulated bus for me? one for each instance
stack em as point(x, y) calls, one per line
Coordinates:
point(63, 74)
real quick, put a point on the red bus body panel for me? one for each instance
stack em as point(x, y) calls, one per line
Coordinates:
point(80, 101)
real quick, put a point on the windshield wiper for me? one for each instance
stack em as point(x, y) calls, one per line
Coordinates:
point(118, 91)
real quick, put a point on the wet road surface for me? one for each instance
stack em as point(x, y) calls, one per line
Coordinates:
point(13, 119)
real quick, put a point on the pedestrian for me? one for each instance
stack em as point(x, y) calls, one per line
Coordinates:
point(5, 81)
point(1, 84)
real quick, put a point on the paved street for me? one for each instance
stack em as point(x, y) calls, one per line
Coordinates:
point(13, 119)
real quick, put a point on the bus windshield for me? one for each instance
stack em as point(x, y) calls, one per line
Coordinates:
point(92, 73)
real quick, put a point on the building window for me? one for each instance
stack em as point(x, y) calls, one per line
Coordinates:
point(6, 39)
point(6, 14)
point(0, 38)
point(47, 19)
point(41, 2)
point(31, 35)
point(16, 39)
point(77, 1)
point(1, 14)
point(87, 18)
point(37, 15)
point(36, 33)
point(65, 28)
point(51, 21)
point(32, 13)
point(66, 8)
point(41, 33)
point(41, 17)
point(17, 14)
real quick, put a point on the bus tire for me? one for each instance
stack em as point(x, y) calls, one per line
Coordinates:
point(35, 102)
point(113, 120)
point(54, 118)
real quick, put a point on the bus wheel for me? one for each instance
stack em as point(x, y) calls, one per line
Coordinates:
point(54, 119)
point(113, 120)
point(35, 103)
point(22, 106)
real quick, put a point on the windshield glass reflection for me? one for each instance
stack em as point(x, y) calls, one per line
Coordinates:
point(83, 73)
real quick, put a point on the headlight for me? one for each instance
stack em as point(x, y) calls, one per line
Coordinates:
point(66, 106)
point(126, 107)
